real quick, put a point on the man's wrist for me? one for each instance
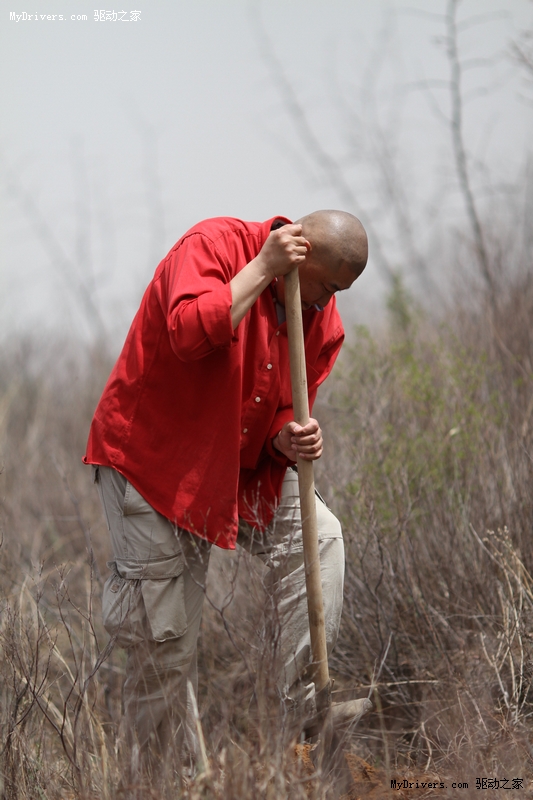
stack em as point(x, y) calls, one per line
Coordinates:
point(261, 268)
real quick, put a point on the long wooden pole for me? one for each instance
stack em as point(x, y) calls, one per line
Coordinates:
point(306, 484)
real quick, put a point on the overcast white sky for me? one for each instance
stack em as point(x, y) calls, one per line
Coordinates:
point(118, 135)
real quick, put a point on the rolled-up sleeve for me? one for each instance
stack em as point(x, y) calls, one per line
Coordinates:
point(196, 299)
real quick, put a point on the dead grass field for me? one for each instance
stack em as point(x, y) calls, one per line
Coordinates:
point(429, 466)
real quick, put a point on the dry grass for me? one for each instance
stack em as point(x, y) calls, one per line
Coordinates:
point(432, 471)
point(429, 466)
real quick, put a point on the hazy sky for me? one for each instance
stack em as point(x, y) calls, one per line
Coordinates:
point(119, 134)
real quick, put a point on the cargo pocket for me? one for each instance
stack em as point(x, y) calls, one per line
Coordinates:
point(159, 585)
point(164, 598)
point(123, 609)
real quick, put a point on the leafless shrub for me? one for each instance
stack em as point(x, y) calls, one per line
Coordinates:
point(432, 448)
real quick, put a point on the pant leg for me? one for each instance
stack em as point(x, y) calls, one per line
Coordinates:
point(152, 606)
point(280, 548)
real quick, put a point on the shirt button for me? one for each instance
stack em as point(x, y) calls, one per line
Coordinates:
point(269, 366)
point(245, 430)
point(257, 399)
point(277, 333)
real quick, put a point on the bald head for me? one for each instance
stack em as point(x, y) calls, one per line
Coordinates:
point(338, 255)
point(337, 239)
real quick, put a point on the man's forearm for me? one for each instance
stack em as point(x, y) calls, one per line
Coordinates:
point(283, 250)
point(246, 287)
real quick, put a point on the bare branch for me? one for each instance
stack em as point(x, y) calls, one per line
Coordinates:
point(522, 51)
point(459, 148)
point(418, 12)
point(76, 280)
point(478, 19)
point(327, 164)
point(152, 181)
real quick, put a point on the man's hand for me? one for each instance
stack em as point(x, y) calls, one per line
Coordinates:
point(293, 440)
point(283, 250)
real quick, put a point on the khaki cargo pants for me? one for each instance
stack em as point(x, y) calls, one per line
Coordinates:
point(152, 604)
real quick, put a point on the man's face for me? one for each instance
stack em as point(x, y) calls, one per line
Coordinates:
point(319, 282)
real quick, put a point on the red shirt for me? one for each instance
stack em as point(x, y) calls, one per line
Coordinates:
point(191, 406)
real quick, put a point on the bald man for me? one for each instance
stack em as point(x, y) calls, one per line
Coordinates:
point(193, 444)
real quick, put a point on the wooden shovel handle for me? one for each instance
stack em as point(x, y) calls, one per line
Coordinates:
point(306, 484)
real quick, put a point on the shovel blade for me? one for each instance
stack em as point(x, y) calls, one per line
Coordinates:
point(340, 720)
point(339, 716)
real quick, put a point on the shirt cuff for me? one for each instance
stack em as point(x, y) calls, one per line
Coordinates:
point(214, 310)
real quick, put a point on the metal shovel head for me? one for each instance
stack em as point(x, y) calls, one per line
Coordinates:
point(344, 715)
point(339, 716)
point(329, 756)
